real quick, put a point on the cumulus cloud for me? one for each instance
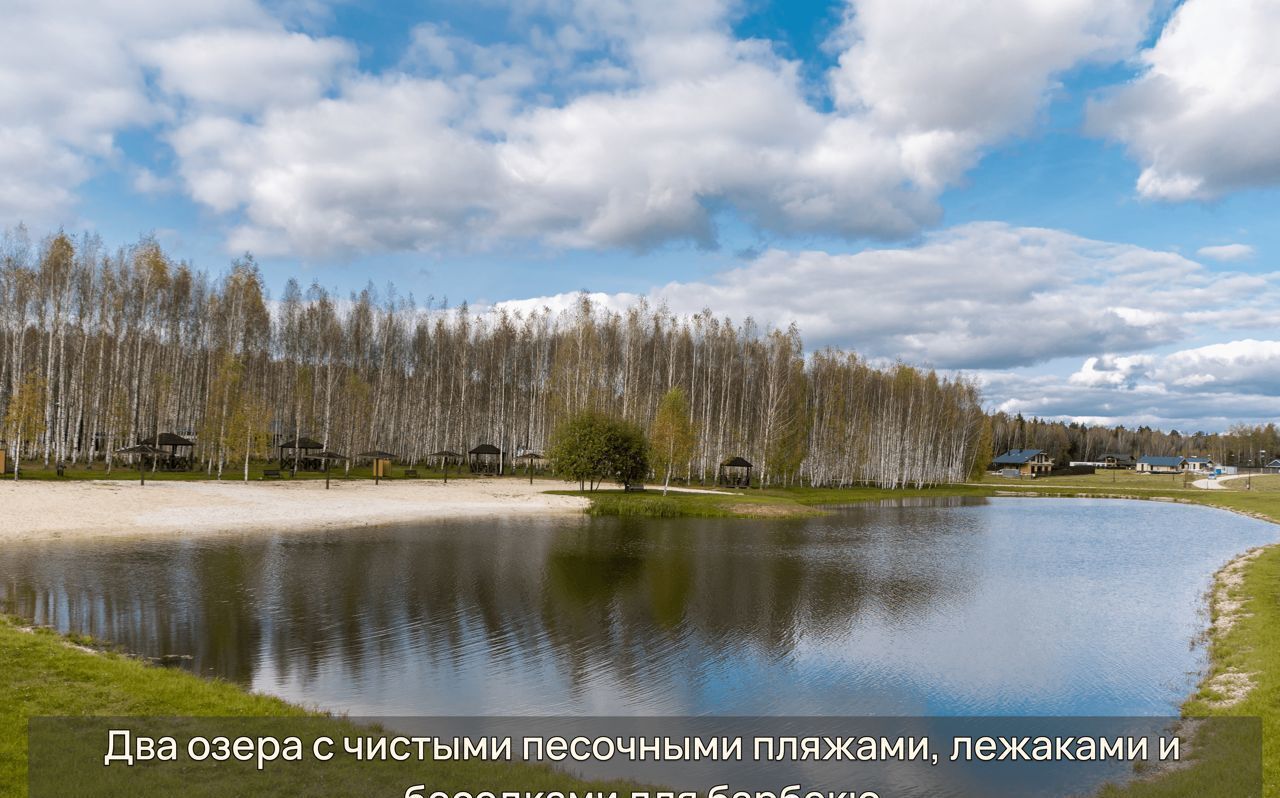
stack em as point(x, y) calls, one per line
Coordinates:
point(74, 74)
point(1202, 119)
point(635, 124)
point(1201, 388)
point(983, 295)
point(1226, 252)
point(246, 69)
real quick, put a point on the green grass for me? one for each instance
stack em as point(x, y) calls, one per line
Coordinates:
point(1267, 483)
point(754, 503)
point(37, 471)
point(45, 675)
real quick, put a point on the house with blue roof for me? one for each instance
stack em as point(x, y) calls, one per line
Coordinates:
point(1026, 462)
point(1159, 464)
point(1200, 465)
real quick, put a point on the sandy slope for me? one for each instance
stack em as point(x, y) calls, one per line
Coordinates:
point(36, 510)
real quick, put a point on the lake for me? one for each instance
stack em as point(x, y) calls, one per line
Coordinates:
point(944, 607)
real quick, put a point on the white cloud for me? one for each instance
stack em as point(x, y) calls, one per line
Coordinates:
point(74, 74)
point(1203, 119)
point(1226, 252)
point(982, 295)
point(246, 69)
point(672, 120)
point(1201, 388)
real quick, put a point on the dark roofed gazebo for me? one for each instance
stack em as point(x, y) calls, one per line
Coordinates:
point(735, 473)
point(485, 459)
point(173, 442)
point(304, 450)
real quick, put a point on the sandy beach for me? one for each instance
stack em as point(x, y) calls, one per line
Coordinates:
point(37, 510)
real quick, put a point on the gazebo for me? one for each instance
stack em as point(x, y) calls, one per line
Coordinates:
point(734, 473)
point(446, 457)
point(173, 442)
point(485, 459)
point(304, 449)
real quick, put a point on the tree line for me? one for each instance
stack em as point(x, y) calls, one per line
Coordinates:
point(1241, 445)
point(102, 347)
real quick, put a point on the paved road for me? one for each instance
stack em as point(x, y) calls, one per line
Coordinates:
point(1216, 484)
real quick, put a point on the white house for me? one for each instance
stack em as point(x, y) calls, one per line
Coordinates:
point(1150, 464)
point(1200, 465)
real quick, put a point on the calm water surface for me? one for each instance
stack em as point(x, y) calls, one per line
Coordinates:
point(995, 607)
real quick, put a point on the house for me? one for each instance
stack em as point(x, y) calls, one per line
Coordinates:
point(1027, 462)
point(1274, 465)
point(1116, 460)
point(1151, 464)
point(1200, 465)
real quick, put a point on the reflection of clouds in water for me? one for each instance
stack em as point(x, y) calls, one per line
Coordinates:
point(1014, 606)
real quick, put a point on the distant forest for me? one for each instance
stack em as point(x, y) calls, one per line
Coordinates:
point(100, 348)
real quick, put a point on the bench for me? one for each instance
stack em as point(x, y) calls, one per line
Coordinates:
point(633, 488)
point(411, 473)
point(271, 473)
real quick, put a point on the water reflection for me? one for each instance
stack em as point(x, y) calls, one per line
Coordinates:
point(1012, 606)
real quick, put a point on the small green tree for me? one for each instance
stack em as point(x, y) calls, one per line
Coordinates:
point(671, 439)
point(626, 452)
point(576, 451)
point(591, 447)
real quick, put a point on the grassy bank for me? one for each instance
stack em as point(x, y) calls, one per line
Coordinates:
point(771, 503)
point(46, 674)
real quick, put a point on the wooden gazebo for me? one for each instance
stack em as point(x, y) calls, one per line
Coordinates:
point(173, 442)
point(485, 459)
point(734, 473)
point(305, 449)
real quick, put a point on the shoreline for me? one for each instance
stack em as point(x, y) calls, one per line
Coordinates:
point(39, 510)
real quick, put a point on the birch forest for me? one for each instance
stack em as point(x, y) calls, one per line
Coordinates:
point(102, 348)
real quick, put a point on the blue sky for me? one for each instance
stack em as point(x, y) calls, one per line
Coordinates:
point(1071, 200)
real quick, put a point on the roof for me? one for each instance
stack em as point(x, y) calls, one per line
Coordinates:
point(1274, 463)
point(1199, 460)
point(141, 449)
point(444, 453)
point(378, 454)
point(1173, 461)
point(1116, 456)
point(1017, 456)
point(737, 462)
point(530, 456)
point(302, 443)
point(329, 456)
point(166, 439)
point(486, 448)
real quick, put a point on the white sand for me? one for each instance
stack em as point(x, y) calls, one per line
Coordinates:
point(42, 510)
